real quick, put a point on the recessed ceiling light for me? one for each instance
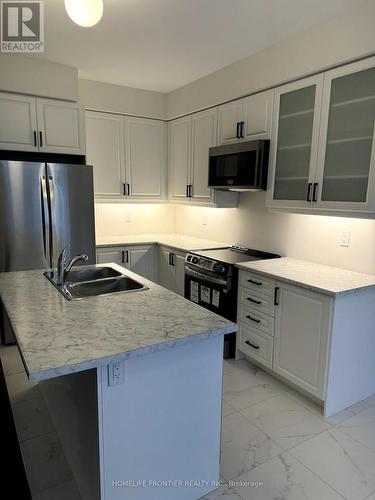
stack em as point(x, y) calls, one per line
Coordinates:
point(84, 12)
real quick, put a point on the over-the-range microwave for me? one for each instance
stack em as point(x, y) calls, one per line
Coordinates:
point(239, 167)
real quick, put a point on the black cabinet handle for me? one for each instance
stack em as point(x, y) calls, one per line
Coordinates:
point(254, 301)
point(170, 257)
point(187, 190)
point(276, 296)
point(253, 319)
point(128, 189)
point(314, 191)
point(123, 256)
point(255, 282)
point(127, 256)
point(190, 190)
point(238, 130)
point(40, 139)
point(173, 259)
point(124, 189)
point(251, 345)
point(241, 129)
point(35, 144)
point(309, 186)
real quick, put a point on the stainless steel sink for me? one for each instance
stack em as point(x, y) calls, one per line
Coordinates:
point(91, 274)
point(93, 282)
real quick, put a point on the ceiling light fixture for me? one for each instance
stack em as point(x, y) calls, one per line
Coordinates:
point(86, 13)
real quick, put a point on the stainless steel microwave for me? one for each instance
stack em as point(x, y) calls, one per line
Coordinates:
point(242, 166)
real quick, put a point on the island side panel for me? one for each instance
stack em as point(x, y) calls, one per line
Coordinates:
point(351, 369)
point(162, 423)
point(73, 406)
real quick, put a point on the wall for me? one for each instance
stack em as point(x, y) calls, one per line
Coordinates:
point(127, 100)
point(29, 75)
point(110, 219)
point(342, 39)
point(307, 237)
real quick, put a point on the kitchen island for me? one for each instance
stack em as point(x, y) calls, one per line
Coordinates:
point(132, 382)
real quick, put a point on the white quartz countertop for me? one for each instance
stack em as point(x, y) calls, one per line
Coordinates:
point(57, 337)
point(173, 240)
point(324, 279)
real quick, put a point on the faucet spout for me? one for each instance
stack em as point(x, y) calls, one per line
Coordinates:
point(64, 268)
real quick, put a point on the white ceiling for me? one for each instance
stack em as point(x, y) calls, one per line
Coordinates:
point(164, 44)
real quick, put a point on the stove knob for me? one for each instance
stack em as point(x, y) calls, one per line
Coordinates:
point(195, 260)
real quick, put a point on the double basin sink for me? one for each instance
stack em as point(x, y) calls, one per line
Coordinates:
point(92, 281)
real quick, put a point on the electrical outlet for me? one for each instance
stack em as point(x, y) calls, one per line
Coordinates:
point(129, 217)
point(116, 373)
point(205, 220)
point(344, 238)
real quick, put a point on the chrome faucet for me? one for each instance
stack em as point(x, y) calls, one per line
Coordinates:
point(63, 268)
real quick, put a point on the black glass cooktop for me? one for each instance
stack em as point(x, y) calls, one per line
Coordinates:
point(235, 255)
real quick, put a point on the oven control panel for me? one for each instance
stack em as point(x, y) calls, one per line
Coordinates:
point(206, 264)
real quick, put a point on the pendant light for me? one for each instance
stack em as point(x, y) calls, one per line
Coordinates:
point(86, 13)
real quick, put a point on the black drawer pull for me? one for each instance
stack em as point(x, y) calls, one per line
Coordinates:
point(253, 319)
point(253, 300)
point(255, 282)
point(308, 196)
point(251, 345)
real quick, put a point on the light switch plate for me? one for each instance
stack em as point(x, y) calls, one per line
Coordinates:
point(344, 238)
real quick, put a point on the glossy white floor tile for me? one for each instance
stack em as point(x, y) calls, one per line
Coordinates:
point(285, 421)
point(46, 465)
point(361, 427)
point(253, 395)
point(342, 462)
point(32, 418)
point(226, 409)
point(284, 478)
point(11, 360)
point(243, 446)
point(343, 415)
point(64, 491)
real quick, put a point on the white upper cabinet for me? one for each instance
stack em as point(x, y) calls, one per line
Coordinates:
point(146, 158)
point(129, 156)
point(179, 158)
point(345, 173)
point(246, 119)
point(18, 127)
point(30, 123)
point(105, 151)
point(204, 130)
point(60, 126)
point(294, 143)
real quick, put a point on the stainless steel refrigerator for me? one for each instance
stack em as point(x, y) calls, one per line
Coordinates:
point(43, 208)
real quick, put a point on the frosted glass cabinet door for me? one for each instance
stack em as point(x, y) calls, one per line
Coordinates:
point(294, 143)
point(345, 175)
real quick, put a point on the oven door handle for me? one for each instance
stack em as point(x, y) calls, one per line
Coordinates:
point(204, 277)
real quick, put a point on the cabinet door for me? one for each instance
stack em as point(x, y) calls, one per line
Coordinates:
point(165, 274)
point(18, 125)
point(111, 254)
point(146, 158)
point(204, 130)
point(302, 324)
point(60, 126)
point(294, 143)
point(141, 260)
point(179, 273)
point(105, 151)
point(257, 115)
point(229, 115)
point(179, 157)
point(346, 165)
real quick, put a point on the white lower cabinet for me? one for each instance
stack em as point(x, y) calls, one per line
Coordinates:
point(286, 328)
point(139, 259)
point(172, 269)
point(302, 323)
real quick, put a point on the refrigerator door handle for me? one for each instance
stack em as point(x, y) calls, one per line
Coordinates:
point(45, 220)
point(51, 199)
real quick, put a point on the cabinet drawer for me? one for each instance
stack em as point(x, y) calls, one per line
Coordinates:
point(256, 300)
point(256, 319)
point(256, 345)
point(257, 282)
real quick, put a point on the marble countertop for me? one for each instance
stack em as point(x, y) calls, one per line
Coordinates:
point(57, 337)
point(173, 240)
point(318, 277)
